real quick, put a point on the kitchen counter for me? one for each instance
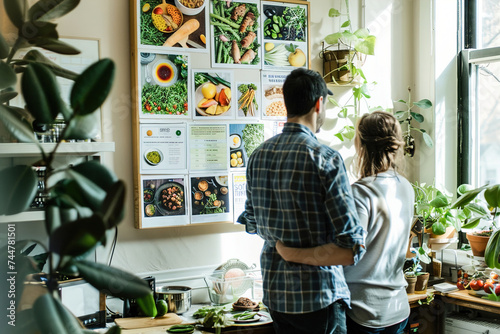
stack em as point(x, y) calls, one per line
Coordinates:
point(263, 326)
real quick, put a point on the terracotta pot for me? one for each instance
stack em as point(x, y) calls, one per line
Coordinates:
point(411, 284)
point(477, 243)
point(421, 284)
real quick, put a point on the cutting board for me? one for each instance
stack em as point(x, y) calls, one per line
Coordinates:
point(144, 322)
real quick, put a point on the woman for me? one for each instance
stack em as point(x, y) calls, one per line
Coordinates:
point(384, 201)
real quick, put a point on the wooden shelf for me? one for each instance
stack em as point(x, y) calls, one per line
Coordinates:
point(8, 150)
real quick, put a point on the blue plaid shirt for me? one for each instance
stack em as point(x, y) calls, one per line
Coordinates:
point(298, 192)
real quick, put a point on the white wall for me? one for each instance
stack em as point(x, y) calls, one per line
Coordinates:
point(404, 57)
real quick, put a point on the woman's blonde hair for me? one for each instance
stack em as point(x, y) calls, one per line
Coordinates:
point(378, 143)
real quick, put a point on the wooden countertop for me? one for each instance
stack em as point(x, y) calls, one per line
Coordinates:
point(463, 298)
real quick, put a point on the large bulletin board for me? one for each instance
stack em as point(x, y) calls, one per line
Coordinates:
point(194, 129)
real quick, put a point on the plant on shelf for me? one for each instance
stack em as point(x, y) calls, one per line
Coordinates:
point(85, 200)
point(439, 212)
point(351, 44)
point(421, 256)
point(347, 60)
point(485, 216)
point(406, 117)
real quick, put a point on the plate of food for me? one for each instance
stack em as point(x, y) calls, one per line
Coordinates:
point(222, 180)
point(148, 195)
point(164, 72)
point(212, 100)
point(150, 210)
point(153, 156)
point(170, 199)
point(245, 317)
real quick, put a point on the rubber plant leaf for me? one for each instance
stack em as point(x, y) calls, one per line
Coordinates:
point(53, 317)
point(113, 281)
point(41, 93)
point(35, 32)
point(52, 218)
point(92, 87)
point(423, 104)
point(4, 48)
point(7, 75)
point(93, 194)
point(97, 173)
point(147, 305)
point(7, 95)
point(492, 196)
point(19, 184)
point(82, 127)
point(78, 237)
point(46, 10)
point(112, 209)
point(15, 10)
point(55, 45)
point(37, 56)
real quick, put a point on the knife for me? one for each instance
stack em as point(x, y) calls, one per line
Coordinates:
point(195, 45)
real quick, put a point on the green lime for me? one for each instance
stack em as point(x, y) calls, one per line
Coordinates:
point(161, 306)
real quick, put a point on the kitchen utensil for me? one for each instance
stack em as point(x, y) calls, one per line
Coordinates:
point(147, 322)
point(164, 72)
point(182, 34)
point(178, 298)
point(164, 7)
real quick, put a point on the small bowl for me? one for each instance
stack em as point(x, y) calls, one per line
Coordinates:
point(189, 11)
point(150, 151)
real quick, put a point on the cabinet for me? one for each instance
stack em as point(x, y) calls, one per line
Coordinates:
point(12, 153)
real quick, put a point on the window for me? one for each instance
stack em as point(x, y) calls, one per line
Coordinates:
point(479, 94)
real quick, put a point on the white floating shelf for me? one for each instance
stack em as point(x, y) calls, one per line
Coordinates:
point(77, 149)
point(27, 216)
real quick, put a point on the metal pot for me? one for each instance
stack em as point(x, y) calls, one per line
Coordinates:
point(178, 298)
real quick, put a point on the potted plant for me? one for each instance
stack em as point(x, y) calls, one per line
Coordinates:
point(416, 278)
point(344, 62)
point(85, 200)
point(433, 208)
point(483, 212)
point(343, 66)
point(406, 117)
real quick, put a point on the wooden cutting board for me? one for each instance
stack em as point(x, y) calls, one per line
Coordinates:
point(144, 322)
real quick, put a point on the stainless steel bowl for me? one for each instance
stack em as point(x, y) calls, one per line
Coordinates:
point(178, 298)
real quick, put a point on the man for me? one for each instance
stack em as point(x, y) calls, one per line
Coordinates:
point(298, 192)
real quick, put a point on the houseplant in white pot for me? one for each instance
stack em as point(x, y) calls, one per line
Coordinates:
point(84, 200)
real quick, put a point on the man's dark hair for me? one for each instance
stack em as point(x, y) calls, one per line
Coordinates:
point(301, 89)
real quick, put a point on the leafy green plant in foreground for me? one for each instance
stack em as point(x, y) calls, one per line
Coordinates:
point(86, 199)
